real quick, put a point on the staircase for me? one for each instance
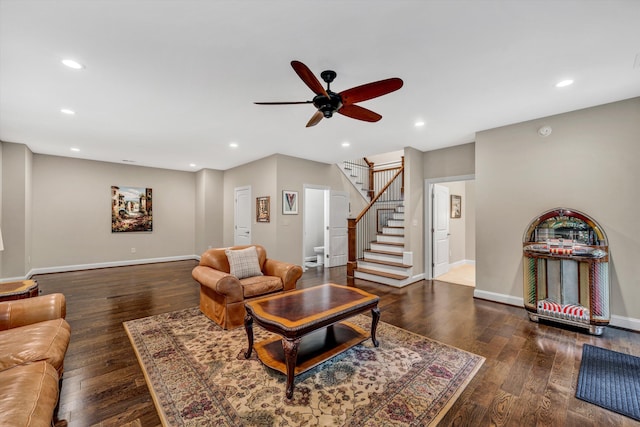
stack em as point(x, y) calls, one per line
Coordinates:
point(357, 172)
point(386, 260)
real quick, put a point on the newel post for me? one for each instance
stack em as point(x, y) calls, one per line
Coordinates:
point(351, 262)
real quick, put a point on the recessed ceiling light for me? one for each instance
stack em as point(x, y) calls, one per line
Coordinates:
point(345, 144)
point(75, 149)
point(193, 165)
point(73, 64)
point(419, 123)
point(564, 83)
point(67, 111)
point(233, 145)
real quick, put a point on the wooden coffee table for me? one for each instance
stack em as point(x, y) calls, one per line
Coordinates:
point(310, 324)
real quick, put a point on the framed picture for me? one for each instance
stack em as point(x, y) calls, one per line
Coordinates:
point(262, 209)
point(131, 209)
point(289, 202)
point(456, 206)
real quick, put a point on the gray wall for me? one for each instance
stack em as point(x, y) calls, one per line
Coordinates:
point(589, 163)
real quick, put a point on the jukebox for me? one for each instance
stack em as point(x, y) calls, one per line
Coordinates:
point(566, 270)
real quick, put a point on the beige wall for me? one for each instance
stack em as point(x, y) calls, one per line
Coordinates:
point(72, 216)
point(209, 210)
point(449, 162)
point(282, 236)
point(260, 175)
point(442, 166)
point(70, 227)
point(414, 207)
point(470, 220)
point(17, 206)
point(589, 163)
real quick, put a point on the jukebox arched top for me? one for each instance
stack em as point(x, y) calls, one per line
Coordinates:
point(565, 231)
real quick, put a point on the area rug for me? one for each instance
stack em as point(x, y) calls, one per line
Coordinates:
point(610, 379)
point(198, 376)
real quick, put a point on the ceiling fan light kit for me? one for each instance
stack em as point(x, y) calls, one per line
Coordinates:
point(328, 102)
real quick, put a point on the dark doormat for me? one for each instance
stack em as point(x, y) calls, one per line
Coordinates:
point(611, 380)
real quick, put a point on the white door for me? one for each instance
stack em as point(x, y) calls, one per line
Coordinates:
point(242, 216)
point(440, 230)
point(336, 237)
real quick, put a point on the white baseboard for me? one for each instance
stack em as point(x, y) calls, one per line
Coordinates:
point(625, 322)
point(462, 262)
point(501, 298)
point(63, 268)
point(617, 321)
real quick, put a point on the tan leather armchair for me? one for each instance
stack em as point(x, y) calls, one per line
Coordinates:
point(222, 295)
point(33, 342)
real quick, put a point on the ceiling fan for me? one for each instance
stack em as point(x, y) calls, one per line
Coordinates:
point(328, 102)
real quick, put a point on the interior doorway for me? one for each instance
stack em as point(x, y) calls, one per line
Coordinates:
point(313, 243)
point(450, 232)
point(324, 239)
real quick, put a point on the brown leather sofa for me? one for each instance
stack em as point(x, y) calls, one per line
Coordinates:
point(33, 341)
point(222, 295)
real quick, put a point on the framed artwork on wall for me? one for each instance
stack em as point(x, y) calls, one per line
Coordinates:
point(262, 209)
point(289, 202)
point(456, 206)
point(131, 209)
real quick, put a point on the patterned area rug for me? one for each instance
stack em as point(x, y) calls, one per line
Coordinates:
point(198, 376)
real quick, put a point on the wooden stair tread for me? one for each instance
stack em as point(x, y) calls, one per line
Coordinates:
point(382, 274)
point(387, 235)
point(394, 226)
point(389, 263)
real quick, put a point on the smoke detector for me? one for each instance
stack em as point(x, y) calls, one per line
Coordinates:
point(544, 131)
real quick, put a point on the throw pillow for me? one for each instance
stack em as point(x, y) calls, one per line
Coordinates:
point(244, 262)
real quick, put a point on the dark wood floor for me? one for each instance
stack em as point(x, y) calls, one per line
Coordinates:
point(528, 379)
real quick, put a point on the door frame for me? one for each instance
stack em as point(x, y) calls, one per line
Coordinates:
point(304, 216)
point(235, 212)
point(428, 248)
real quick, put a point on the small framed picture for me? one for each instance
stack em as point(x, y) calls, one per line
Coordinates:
point(262, 209)
point(289, 202)
point(456, 206)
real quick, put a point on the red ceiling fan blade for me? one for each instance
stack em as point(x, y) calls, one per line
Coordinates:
point(284, 103)
point(370, 90)
point(307, 76)
point(315, 119)
point(360, 113)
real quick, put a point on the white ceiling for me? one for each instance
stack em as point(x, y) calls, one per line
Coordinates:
point(168, 83)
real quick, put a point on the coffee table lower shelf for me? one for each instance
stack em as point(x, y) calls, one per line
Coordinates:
point(314, 348)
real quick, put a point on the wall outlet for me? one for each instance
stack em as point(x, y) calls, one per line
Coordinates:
point(133, 250)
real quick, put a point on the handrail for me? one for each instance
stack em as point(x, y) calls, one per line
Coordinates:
point(359, 231)
point(380, 193)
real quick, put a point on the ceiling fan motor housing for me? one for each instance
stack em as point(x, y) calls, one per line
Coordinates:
point(329, 105)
